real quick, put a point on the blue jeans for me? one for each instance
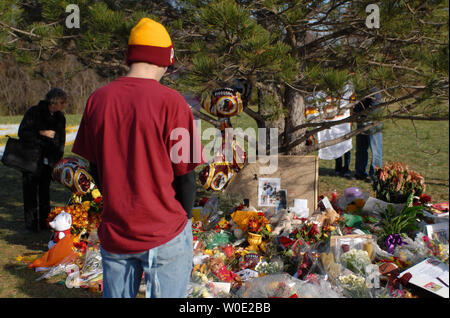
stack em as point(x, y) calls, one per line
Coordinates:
point(363, 142)
point(167, 269)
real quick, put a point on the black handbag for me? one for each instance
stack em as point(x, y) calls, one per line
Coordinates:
point(22, 156)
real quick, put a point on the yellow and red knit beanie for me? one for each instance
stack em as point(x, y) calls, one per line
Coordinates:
point(150, 42)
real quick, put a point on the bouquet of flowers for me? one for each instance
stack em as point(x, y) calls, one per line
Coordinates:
point(92, 202)
point(438, 248)
point(356, 260)
point(196, 290)
point(415, 251)
point(311, 232)
point(354, 286)
point(270, 286)
point(95, 199)
point(196, 229)
point(395, 182)
point(259, 224)
point(271, 267)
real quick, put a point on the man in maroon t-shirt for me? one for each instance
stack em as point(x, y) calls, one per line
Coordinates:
point(132, 132)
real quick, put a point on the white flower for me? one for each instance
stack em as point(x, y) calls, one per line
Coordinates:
point(356, 260)
point(352, 281)
point(354, 286)
point(198, 277)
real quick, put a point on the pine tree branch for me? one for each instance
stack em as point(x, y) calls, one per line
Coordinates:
point(395, 66)
point(205, 117)
point(327, 143)
point(31, 34)
point(324, 38)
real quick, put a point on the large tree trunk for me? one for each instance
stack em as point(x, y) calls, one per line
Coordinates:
point(294, 103)
point(272, 117)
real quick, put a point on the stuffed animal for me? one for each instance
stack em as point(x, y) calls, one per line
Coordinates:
point(61, 224)
point(329, 217)
point(237, 232)
point(284, 222)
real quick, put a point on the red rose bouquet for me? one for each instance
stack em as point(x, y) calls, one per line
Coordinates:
point(311, 232)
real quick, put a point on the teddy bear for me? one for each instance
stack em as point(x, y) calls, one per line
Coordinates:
point(237, 232)
point(328, 217)
point(284, 222)
point(61, 224)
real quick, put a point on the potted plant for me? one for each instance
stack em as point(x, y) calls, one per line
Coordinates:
point(395, 182)
point(395, 226)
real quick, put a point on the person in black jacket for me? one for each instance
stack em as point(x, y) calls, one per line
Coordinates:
point(45, 125)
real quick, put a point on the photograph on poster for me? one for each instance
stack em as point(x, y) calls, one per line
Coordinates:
point(267, 191)
point(281, 202)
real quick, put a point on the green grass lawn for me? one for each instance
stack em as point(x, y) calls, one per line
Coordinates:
point(425, 149)
point(16, 280)
point(427, 153)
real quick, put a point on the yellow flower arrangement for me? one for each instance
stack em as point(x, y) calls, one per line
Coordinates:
point(86, 205)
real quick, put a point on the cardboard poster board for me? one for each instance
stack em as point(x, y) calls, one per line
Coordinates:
point(431, 275)
point(299, 176)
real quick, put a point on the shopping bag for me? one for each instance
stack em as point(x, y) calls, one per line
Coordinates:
point(22, 156)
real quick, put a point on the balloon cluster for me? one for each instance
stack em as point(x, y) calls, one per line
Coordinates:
point(219, 173)
point(72, 173)
point(225, 103)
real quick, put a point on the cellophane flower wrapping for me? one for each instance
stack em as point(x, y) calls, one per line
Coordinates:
point(196, 290)
point(270, 267)
point(93, 262)
point(286, 286)
point(308, 261)
point(202, 285)
point(422, 247)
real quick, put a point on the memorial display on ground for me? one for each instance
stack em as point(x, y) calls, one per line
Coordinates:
point(346, 246)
